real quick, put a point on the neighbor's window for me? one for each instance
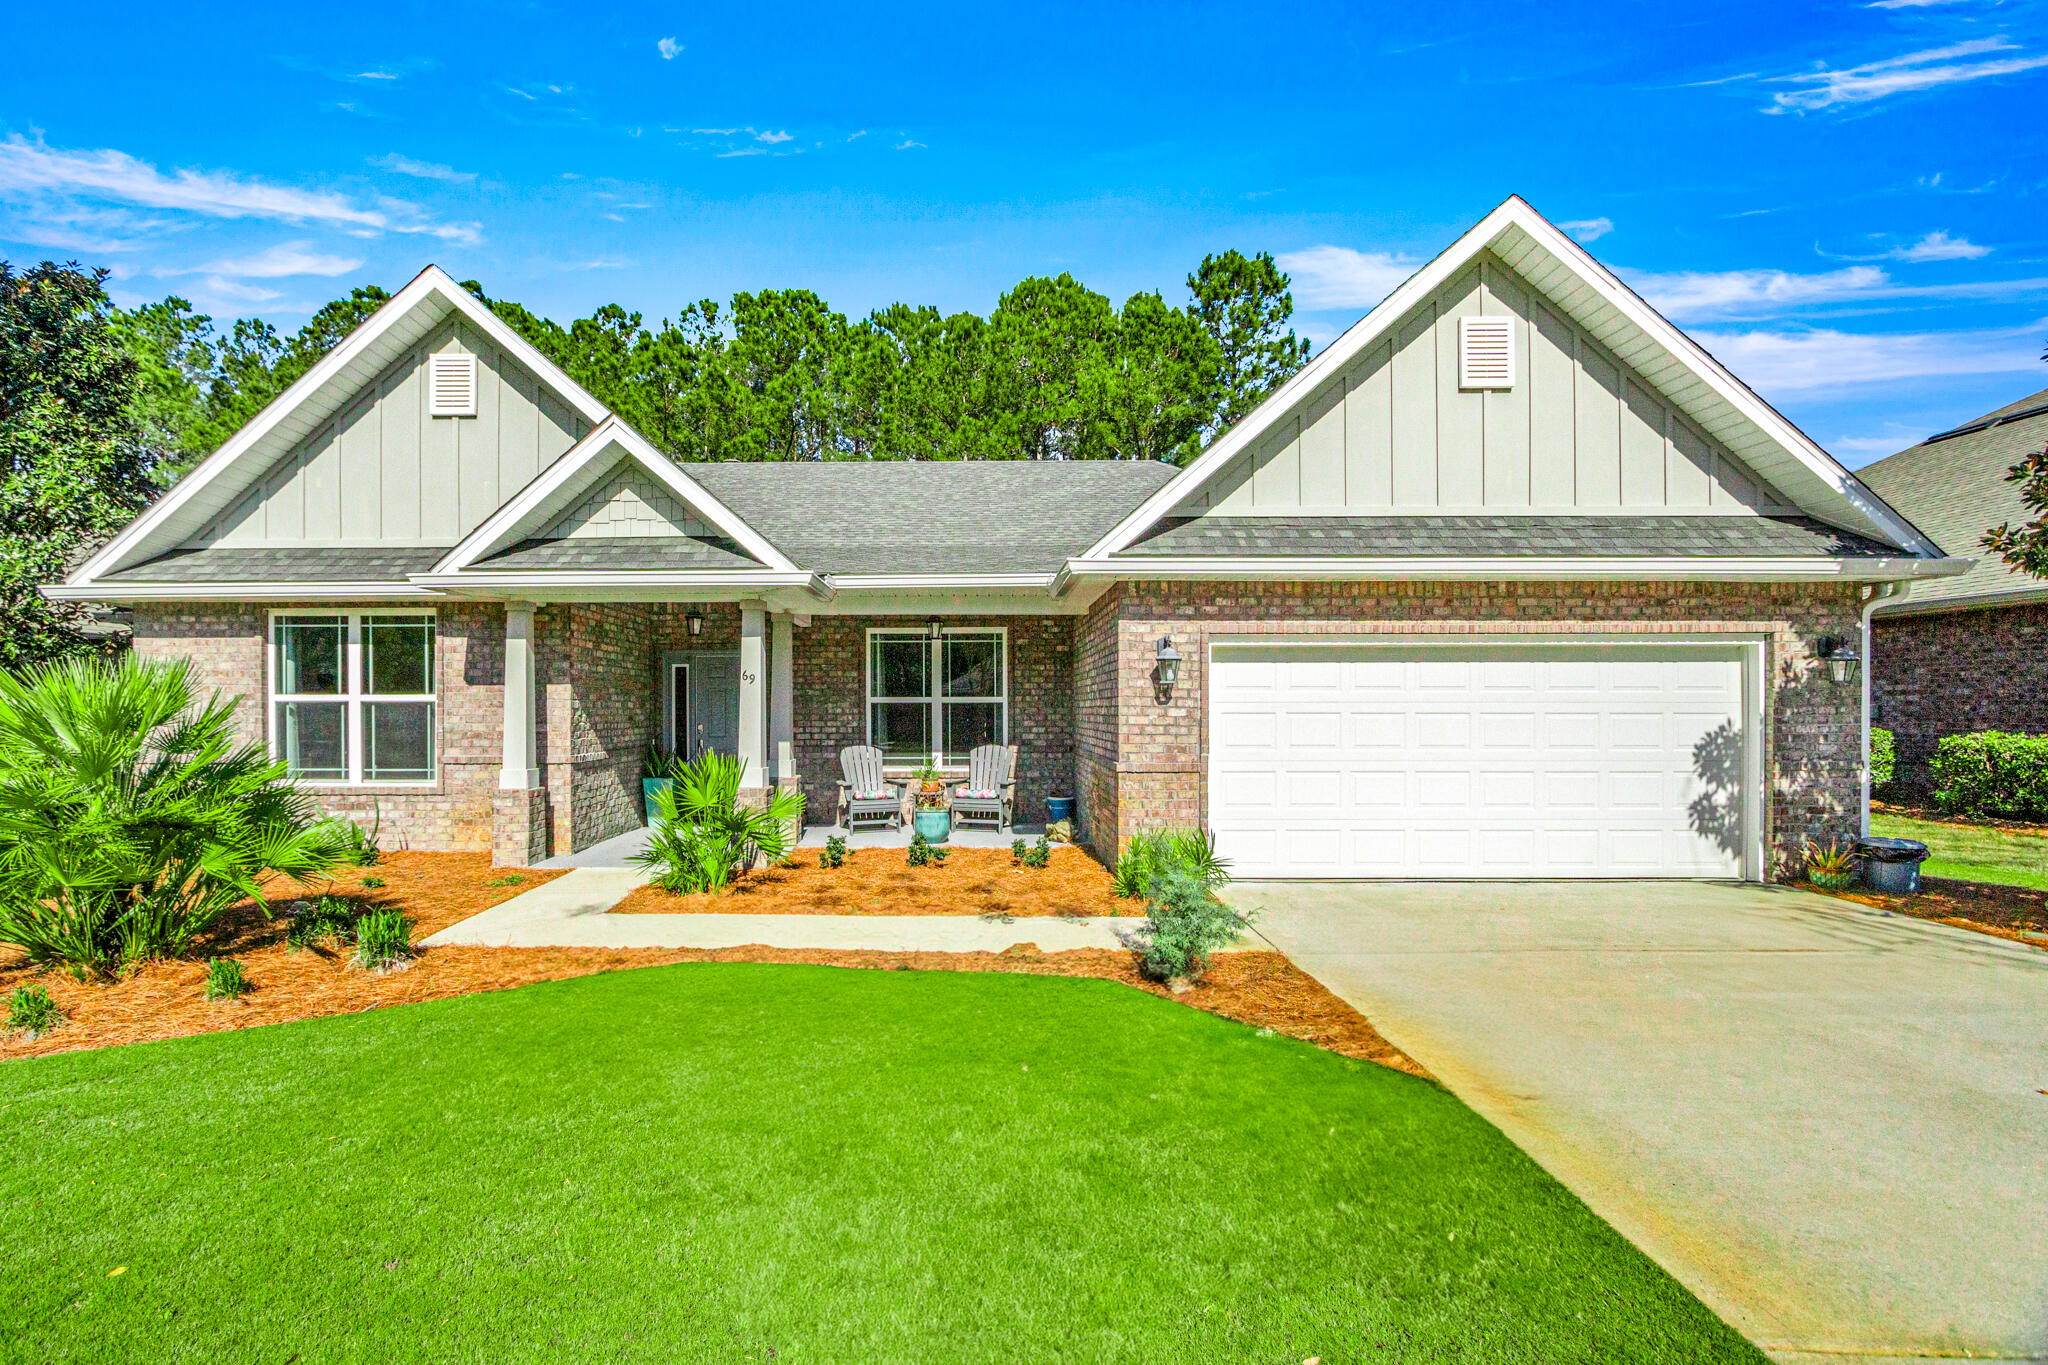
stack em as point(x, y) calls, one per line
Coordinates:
point(936, 698)
point(352, 695)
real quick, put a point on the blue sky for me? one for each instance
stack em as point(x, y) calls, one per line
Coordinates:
point(1843, 201)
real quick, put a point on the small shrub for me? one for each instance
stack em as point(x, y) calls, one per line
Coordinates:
point(330, 917)
point(939, 854)
point(1833, 867)
point(511, 879)
point(835, 852)
point(31, 1010)
point(1032, 855)
point(920, 849)
point(1883, 759)
point(1150, 852)
point(383, 940)
point(1185, 923)
point(1991, 774)
point(373, 883)
point(224, 979)
point(356, 846)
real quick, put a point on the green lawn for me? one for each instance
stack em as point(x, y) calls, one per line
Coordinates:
point(733, 1162)
point(1975, 853)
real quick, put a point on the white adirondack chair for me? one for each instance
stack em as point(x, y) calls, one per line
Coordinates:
point(864, 794)
point(988, 794)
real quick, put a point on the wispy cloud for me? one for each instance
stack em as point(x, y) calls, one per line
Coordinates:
point(776, 136)
point(379, 75)
point(283, 261)
point(1588, 229)
point(851, 136)
point(1939, 246)
point(907, 144)
point(1907, 4)
point(1341, 277)
point(1825, 88)
point(1823, 358)
point(111, 175)
point(1722, 295)
point(598, 263)
point(669, 48)
point(422, 170)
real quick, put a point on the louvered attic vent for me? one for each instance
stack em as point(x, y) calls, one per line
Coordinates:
point(451, 385)
point(1486, 353)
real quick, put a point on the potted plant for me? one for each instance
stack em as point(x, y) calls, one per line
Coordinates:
point(1832, 868)
point(933, 819)
point(657, 774)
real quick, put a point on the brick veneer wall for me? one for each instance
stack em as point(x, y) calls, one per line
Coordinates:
point(829, 668)
point(1952, 672)
point(1811, 755)
point(1097, 715)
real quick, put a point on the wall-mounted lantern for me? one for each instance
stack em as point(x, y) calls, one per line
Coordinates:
point(934, 628)
point(1165, 670)
point(694, 619)
point(1841, 659)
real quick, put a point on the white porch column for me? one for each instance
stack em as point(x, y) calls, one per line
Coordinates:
point(753, 695)
point(519, 773)
point(781, 697)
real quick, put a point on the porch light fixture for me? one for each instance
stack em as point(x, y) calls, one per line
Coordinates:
point(1165, 670)
point(1841, 659)
point(694, 619)
point(934, 628)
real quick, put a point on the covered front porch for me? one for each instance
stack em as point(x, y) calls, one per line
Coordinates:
point(618, 850)
point(597, 692)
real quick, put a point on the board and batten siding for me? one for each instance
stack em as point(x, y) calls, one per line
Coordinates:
point(627, 502)
point(1394, 434)
point(382, 472)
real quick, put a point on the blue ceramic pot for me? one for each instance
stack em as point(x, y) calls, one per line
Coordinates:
point(934, 825)
point(648, 787)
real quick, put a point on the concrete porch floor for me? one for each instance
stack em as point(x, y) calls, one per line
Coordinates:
point(613, 852)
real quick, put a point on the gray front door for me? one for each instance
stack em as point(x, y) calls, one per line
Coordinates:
point(701, 701)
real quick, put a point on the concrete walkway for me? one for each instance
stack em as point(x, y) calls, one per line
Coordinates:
point(1826, 1121)
point(569, 912)
point(615, 851)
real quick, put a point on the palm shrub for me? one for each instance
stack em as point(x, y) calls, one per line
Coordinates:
point(1185, 923)
point(703, 838)
point(1149, 852)
point(31, 1010)
point(132, 817)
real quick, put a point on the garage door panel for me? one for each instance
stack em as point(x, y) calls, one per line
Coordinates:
point(1518, 762)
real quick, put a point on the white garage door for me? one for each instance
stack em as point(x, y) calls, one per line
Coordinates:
point(1507, 761)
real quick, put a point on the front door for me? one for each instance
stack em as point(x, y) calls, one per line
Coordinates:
point(701, 702)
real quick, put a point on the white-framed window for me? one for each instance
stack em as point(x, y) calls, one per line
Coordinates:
point(352, 696)
point(938, 696)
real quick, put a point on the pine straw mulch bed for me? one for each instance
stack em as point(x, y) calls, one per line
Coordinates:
point(165, 1000)
point(2018, 913)
point(880, 881)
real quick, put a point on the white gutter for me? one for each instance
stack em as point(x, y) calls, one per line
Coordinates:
point(1519, 568)
point(1881, 593)
point(228, 592)
point(928, 581)
point(473, 580)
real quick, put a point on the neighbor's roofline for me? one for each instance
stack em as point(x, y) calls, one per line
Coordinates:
point(428, 283)
point(1514, 212)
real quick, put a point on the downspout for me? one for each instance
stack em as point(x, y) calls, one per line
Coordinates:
point(1882, 592)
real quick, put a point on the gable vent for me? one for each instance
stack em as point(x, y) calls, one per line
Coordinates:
point(1486, 353)
point(451, 385)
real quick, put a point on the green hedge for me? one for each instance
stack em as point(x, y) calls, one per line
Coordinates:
point(1992, 773)
point(1882, 759)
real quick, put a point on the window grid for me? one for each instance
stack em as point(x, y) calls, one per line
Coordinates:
point(353, 698)
point(935, 696)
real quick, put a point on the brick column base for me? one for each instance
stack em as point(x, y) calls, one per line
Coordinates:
point(519, 827)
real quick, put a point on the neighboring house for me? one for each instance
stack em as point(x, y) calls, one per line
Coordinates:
point(1512, 580)
point(1969, 652)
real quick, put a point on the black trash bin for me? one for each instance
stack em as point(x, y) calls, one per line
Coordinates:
point(1892, 864)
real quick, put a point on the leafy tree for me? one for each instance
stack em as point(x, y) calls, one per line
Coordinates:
point(2026, 548)
point(72, 470)
point(1053, 343)
point(132, 817)
point(1244, 303)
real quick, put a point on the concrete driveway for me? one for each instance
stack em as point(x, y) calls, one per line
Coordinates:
point(1826, 1121)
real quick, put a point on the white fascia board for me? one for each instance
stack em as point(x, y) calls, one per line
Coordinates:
point(940, 582)
point(532, 506)
point(433, 282)
point(517, 581)
point(232, 592)
point(1976, 601)
point(1660, 568)
point(1515, 212)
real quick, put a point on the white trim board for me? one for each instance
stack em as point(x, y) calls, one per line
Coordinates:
point(327, 387)
point(1725, 407)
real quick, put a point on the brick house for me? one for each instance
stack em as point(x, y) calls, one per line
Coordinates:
point(1969, 652)
point(1512, 580)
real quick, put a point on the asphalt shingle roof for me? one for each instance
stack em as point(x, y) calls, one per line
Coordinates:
point(1493, 537)
point(283, 564)
point(621, 552)
point(932, 516)
point(1953, 487)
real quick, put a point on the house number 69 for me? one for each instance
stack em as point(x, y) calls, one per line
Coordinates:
point(746, 677)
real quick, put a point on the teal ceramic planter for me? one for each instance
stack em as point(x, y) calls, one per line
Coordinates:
point(934, 825)
point(648, 787)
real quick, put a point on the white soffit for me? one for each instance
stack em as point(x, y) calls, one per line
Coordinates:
point(1591, 296)
point(338, 380)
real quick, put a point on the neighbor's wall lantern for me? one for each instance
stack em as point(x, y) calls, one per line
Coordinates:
point(694, 619)
point(1165, 670)
point(1841, 659)
point(934, 628)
